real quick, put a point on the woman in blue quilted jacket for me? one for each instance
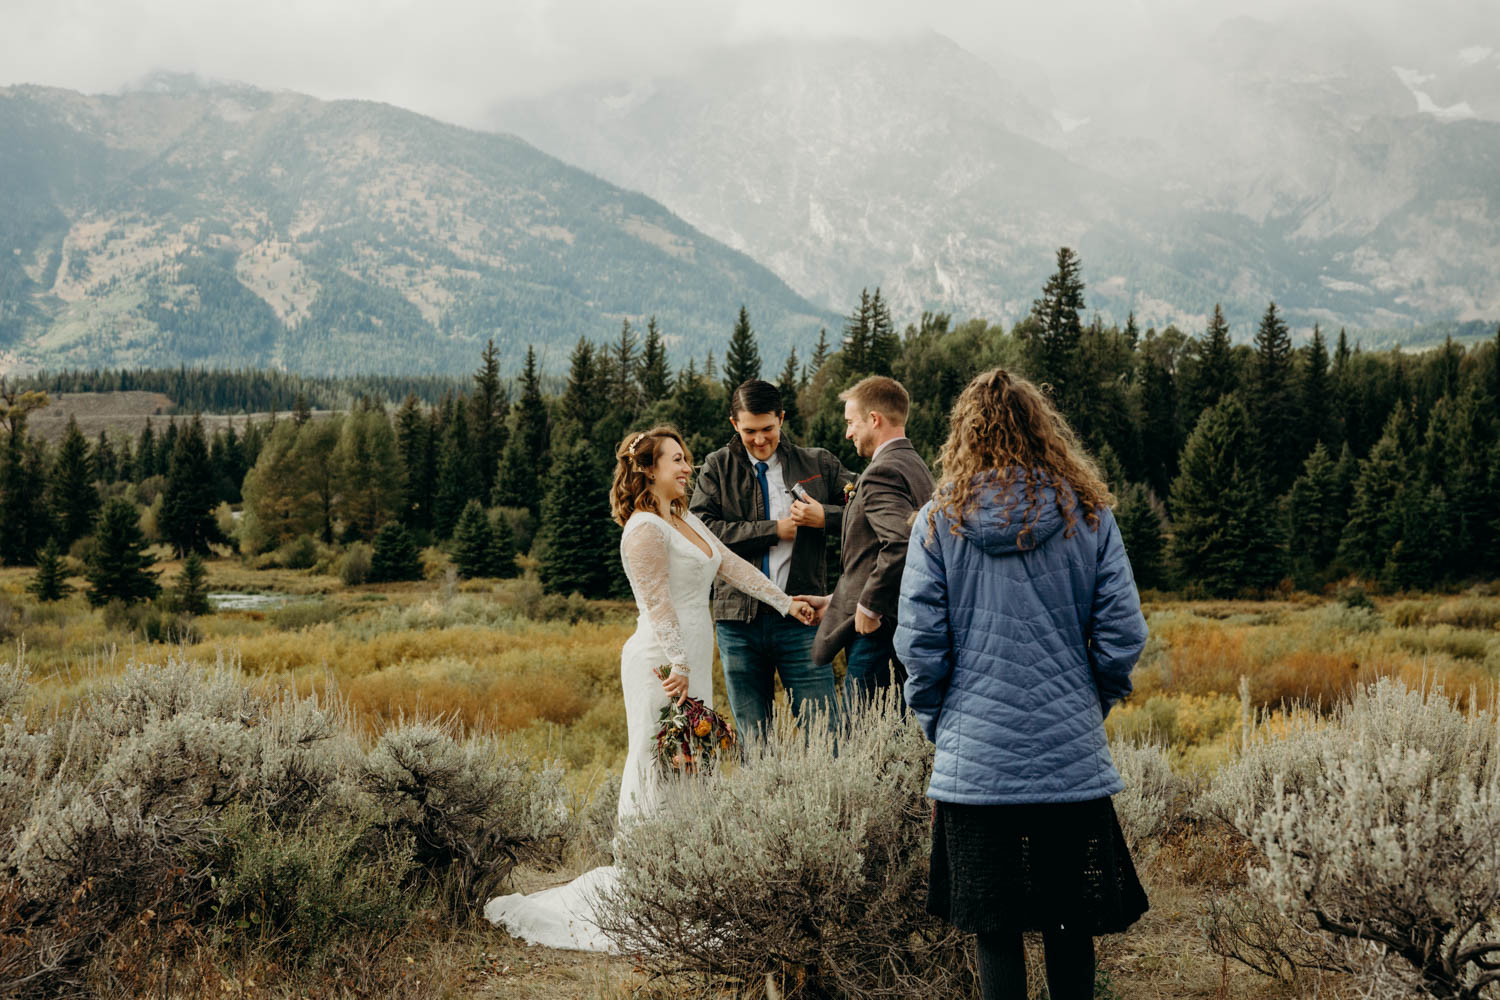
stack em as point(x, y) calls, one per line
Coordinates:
point(1019, 623)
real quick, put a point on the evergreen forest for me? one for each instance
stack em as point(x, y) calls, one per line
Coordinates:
point(1237, 468)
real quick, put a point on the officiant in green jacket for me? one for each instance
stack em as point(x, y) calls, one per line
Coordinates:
point(773, 502)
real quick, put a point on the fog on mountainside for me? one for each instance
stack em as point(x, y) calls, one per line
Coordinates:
point(1343, 162)
point(1299, 161)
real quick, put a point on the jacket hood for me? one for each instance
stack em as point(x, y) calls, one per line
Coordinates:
point(1002, 516)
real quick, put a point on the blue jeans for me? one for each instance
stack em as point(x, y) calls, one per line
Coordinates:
point(872, 666)
point(754, 652)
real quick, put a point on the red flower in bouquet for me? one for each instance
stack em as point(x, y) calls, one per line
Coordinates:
point(691, 736)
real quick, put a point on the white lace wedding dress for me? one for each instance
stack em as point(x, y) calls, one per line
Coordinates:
point(671, 579)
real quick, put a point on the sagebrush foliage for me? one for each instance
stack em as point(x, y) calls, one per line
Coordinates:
point(1378, 840)
point(180, 791)
point(808, 864)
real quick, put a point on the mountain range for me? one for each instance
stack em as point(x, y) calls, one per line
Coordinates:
point(218, 224)
point(1355, 182)
point(1295, 161)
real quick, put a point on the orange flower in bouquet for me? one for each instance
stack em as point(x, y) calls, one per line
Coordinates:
point(690, 737)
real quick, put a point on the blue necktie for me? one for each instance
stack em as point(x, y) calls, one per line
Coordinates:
point(765, 511)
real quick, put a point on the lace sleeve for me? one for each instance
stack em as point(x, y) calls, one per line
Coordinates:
point(745, 578)
point(646, 564)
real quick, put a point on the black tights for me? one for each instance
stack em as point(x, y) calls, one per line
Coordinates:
point(1070, 966)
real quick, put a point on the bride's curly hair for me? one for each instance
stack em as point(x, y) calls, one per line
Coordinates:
point(1004, 429)
point(634, 459)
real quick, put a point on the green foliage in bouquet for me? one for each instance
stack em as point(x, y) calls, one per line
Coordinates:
point(690, 736)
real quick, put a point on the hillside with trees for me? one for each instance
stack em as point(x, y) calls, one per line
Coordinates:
point(1237, 468)
point(185, 223)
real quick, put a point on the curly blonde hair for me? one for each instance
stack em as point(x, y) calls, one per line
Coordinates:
point(1003, 429)
point(634, 459)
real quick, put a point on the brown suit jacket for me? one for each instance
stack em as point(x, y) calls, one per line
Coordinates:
point(877, 524)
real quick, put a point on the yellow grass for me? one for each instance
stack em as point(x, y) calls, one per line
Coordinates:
point(1299, 653)
point(470, 653)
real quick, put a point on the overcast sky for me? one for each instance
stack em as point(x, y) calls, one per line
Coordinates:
point(455, 58)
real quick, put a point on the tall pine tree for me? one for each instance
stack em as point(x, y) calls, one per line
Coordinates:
point(1056, 330)
point(653, 374)
point(1315, 517)
point(1143, 530)
point(394, 555)
point(187, 520)
point(24, 521)
point(1373, 527)
point(105, 460)
point(584, 399)
point(1158, 421)
point(74, 500)
point(487, 415)
point(885, 344)
point(472, 541)
point(119, 566)
point(190, 591)
point(1315, 394)
point(577, 534)
point(858, 335)
point(1214, 371)
point(413, 445)
point(1224, 533)
point(51, 580)
point(742, 360)
point(787, 386)
point(456, 481)
point(502, 554)
point(529, 450)
point(145, 453)
point(624, 389)
point(820, 352)
point(1273, 402)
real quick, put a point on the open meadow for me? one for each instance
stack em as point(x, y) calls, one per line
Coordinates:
point(512, 675)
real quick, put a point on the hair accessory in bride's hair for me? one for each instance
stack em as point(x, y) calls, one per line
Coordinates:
point(638, 439)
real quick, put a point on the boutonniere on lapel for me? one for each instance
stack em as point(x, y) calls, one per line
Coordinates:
point(848, 493)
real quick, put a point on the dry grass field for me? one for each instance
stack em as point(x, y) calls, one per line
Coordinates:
point(122, 414)
point(542, 674)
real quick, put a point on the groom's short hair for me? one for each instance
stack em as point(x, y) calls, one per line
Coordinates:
point(755, 396)
point(882, 395)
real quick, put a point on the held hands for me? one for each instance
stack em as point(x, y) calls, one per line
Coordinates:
point(815, 605)
point(808, 514)
point(803, 612)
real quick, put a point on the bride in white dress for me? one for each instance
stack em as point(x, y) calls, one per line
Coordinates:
point(672, 561)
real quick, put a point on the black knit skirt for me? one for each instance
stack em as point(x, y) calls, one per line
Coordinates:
point(1034, 867)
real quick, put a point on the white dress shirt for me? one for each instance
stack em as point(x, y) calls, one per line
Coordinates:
point(781, 507)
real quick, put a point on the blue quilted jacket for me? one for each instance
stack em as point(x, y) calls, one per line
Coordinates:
point(1014, 655)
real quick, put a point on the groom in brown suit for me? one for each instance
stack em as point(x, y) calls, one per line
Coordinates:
point(860, 616)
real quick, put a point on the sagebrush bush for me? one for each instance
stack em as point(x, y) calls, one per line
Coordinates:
point(806, 865)
point(1469, 612)
point(181, 791)
point(298, 615)
point(468, 809)
point(298, 884)
point(354, 569)
point(1155, 797)
point(1377, 833)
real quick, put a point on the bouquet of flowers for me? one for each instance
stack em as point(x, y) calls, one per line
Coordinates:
point(690, 736)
